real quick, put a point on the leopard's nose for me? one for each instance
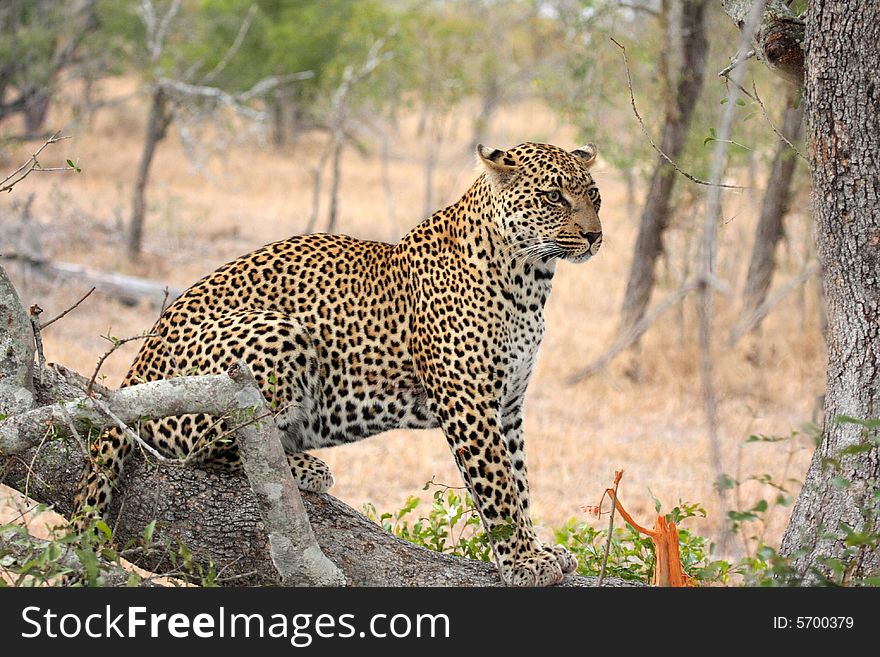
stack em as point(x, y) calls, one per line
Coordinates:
point(591, 238)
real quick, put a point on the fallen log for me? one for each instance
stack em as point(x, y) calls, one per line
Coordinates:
point(126, 289)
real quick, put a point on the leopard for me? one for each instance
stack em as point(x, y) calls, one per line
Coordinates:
point(349, 338)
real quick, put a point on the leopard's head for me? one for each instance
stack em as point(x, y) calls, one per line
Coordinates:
point(544, 200)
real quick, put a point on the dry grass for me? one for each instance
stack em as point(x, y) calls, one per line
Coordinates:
point(577, 436)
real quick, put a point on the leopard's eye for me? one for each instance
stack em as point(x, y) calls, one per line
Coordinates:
point(553, 196)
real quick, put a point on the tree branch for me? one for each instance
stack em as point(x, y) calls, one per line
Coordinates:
point(33, 164)
point(648, 135)
point(295, 554)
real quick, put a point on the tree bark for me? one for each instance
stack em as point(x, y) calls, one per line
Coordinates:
point(335, 177)
point(16, 351)
point(655, 215)
point(773, 210)
point(842, 95)
point(779, 39)
point(295, 554)
point(157, 128)
point(216, 515)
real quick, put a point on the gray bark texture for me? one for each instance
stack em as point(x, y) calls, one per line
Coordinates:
point(842, 92)
point(16, 351)
point(655, 215)
point(292, 546)
point(779, 39)
point(773, 210)
point(294, 553)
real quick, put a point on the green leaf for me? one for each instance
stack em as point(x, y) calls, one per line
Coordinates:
point(725, 482)
point(861, 448)
point(657, 505)
point(148, 533)
point(53, 552)
point(741, 515)
point(868, 424)
point(760, 438)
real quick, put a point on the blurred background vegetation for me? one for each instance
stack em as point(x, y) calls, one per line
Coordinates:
point(205, 128)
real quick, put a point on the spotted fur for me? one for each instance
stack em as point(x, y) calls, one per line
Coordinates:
point(349, 338)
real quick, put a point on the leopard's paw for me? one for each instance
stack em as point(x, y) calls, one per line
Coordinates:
point(310, 472)
point(538, 568)
point(567, 561)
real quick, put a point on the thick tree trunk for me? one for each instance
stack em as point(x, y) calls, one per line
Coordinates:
point(655, 215)
point(276, 111)
point(775, 206)
point(842, 95)
point(157, 127)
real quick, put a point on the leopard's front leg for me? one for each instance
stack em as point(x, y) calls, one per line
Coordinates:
point(514, 441)
point(475, 437)
point(464, 378)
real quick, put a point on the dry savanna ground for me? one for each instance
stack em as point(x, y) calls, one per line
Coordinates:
point(652, 426)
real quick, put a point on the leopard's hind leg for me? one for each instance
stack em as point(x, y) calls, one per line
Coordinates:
point(283, 359)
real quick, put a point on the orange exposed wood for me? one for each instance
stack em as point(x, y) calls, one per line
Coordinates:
point(667, 569)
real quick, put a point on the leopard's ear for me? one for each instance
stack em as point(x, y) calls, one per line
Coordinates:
point(499, 166)
point(587, 153)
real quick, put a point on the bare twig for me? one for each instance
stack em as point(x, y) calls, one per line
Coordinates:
point(617, 477)
point(82, 298)
point(127, 430)
point(164, 306)
point(779, 134)
point(233, 49)
point(648, 135)
point(157, 28)
point(757, 99)
point(195, 454)
point(116, 344)
point(236, 102)
point(33, 164)
point(74, 433)
point(30, 467)
point(736, 61)
point(34, 314)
